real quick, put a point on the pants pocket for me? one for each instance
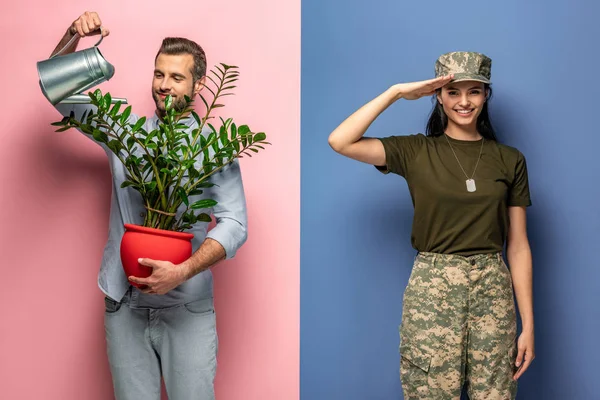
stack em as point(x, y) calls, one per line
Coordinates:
point(111, 306)
point(200, 307)
point(414, 371)
point(415, 356)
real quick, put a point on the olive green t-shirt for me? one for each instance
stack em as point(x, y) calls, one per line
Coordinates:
point(449, 219)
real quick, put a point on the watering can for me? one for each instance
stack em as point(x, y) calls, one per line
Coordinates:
point(63, 79)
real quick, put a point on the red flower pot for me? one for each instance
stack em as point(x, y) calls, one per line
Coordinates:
point(156, 244)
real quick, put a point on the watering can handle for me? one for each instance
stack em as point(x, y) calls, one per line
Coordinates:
point(75, 38)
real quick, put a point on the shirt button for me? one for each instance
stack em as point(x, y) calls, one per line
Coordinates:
point(143, 214)
point(473, 262)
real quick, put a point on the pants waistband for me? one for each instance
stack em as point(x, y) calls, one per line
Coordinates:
point(472, 260)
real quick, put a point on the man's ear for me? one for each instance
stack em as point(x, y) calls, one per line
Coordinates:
point(199, 84)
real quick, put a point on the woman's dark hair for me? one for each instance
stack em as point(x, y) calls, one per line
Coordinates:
point(438, 121)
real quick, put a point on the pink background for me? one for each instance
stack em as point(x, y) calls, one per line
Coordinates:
point(55, 191)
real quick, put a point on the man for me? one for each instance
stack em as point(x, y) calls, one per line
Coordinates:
point(167, 329)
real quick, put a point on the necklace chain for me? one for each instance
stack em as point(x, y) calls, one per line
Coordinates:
point(458, 161)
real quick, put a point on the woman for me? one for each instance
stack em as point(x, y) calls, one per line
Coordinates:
point(470, 194)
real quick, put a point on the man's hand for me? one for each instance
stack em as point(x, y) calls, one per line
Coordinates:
point(165, 276)
point(88, 24)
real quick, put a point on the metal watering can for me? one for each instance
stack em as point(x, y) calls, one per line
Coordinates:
point(63, 79)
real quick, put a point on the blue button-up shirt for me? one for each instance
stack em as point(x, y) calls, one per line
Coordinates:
point(127, 207)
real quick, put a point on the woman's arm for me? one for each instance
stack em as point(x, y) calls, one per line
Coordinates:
point(347, 139)
point(519, 259)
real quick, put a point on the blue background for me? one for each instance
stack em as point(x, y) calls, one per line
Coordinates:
point(355, 241)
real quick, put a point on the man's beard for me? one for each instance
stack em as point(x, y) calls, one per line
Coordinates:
point(179, 103)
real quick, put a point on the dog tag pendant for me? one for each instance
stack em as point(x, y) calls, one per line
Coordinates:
point(471, 185)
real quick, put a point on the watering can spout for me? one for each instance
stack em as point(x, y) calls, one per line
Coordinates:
point(63, 79)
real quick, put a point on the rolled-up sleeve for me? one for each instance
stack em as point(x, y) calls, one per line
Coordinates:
point(230, 212)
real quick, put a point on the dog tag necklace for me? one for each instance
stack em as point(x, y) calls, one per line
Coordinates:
point(471, 187)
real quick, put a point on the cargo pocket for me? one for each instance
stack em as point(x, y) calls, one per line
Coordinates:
point(414, 370)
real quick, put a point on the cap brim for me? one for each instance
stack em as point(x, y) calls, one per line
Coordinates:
point(469, 77)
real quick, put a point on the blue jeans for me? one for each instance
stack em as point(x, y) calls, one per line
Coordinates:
point(178, 343)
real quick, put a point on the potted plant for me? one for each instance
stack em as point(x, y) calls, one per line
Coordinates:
point(168, 166)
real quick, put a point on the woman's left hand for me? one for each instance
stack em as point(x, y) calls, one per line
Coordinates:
point(526, 353)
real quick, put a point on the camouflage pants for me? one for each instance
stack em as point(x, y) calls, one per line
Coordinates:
point(458, 327)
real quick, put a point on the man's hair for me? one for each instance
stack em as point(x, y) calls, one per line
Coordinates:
point(174, 46)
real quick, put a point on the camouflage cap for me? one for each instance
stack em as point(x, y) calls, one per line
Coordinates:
point(465, 65)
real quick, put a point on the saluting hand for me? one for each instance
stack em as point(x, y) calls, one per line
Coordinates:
point(416, 90)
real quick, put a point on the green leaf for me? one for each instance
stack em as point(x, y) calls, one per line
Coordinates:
point(63, 129)
point(215, 146)
point(203, 99)
point(212, 127)
point(260, 136)
point(196, 192)
point(243, 130)
point(115, 146)
point(220, 70)
point(234, 131)
point(196, 117)
point(183, 195)
point(101, 104)
point(125, 115)
point(140, 122)
point(152, 135)
point(204, 203)
point(204, 217)
point(127, 183)
point(99, 136)
point(152, 146)
point(208, 87)
point(168, 102)
point(130, 142)
point(62, 122)
point(115, 109)
point(107, 101)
